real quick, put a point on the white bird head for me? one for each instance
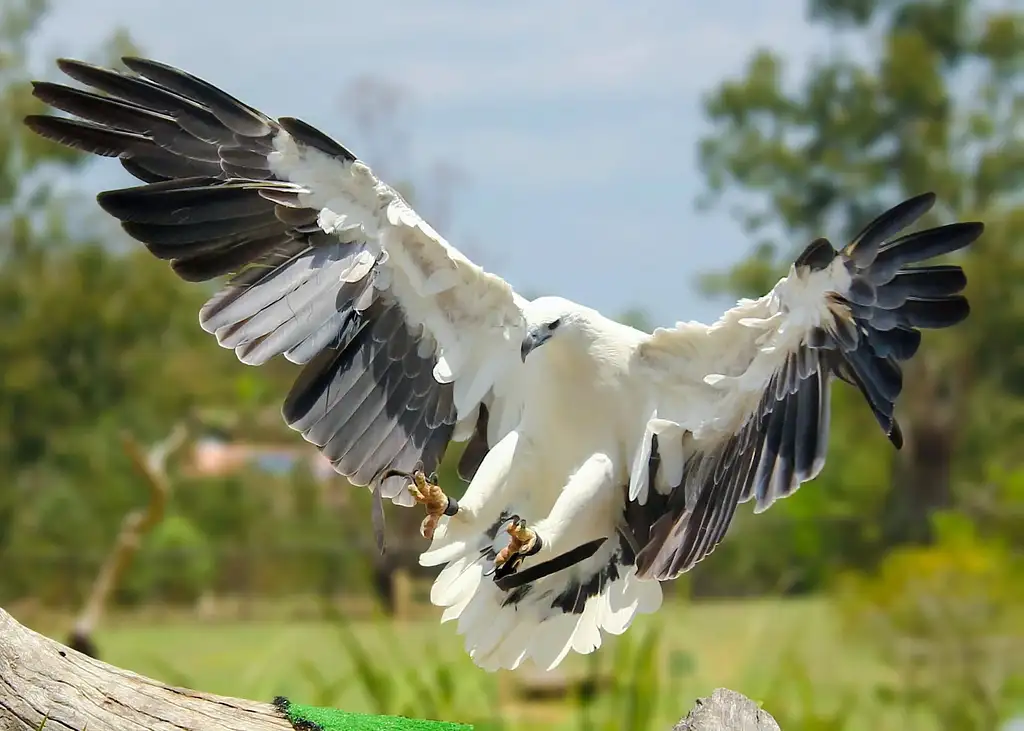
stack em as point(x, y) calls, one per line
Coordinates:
point(548, 317)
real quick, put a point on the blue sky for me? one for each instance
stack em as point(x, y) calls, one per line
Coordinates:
point(573, 125)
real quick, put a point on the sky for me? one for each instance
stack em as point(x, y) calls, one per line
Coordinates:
point(573, 125)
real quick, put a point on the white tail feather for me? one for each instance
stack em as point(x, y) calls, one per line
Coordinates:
point(503, 629)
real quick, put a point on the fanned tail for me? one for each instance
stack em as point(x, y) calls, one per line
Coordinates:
point(543, 620)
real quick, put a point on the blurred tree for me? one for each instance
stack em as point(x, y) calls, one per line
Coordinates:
point(946, 619)
point(935, 103)
point(96, 335)
point(21, 155)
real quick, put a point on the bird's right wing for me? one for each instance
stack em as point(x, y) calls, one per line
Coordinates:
point(406, 344)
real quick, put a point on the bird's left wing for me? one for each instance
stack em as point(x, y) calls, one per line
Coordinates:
point(740, 409)
point(406, 344)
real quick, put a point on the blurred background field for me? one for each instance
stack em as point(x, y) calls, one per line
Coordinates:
point(886, 594)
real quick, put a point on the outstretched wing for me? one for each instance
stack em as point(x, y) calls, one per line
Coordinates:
point(741, 408)
point(403, 340)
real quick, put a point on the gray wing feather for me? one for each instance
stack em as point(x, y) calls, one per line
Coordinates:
point(783, 442)
point(211, 206)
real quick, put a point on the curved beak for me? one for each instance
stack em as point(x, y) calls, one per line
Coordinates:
point(529, 343)
point(533, 340)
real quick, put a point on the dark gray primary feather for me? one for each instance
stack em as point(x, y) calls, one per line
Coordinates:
point(353, 400)
point(780, 445)
point(476, 448)
point(211, 206)
point(907, 299)
point(875, 327)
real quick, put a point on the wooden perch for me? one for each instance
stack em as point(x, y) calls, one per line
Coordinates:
point(41, 680)
point(151, 465)
point(727, 710)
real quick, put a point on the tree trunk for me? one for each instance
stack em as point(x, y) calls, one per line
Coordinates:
point(922, 470)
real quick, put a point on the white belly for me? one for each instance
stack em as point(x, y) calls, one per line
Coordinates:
point(566, 420)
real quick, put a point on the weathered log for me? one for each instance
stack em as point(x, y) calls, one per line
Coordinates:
point(44, 684)
point(42, 680)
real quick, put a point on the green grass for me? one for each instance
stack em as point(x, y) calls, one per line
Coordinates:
point(744, 645)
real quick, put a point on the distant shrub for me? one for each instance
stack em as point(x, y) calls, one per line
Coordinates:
point(948, 619)
point(174, 565)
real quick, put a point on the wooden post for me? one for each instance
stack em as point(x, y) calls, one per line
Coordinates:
point(401, 593)
point(727, 710)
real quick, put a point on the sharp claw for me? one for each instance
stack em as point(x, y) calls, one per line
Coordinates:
point(426, 492)
point(428, 526)
point(521, 540)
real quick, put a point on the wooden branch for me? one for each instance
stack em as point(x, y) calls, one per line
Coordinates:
point(43, 682)
point(40, 679)
point(151, 465)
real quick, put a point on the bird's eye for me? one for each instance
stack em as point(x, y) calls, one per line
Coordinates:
point(553, 325)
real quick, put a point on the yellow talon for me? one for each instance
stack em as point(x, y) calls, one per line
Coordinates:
point(520, 533)
point(521, 540)
point(430, 496)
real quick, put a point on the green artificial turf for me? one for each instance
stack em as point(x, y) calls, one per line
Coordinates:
point(319, 718)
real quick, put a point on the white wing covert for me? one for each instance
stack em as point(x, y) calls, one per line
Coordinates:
point(740, 409)
point(405, 343)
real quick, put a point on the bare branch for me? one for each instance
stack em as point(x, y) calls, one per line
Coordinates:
point(151, 465)
point(41, 679)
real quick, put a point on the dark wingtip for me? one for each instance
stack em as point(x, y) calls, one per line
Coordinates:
point(976, 228)
point(866, 244)
point(896, 435)
point(141, 61)
point(69, 65)
point(925, 200)
point(35, 122)
point(818, 255)
point(307, 134)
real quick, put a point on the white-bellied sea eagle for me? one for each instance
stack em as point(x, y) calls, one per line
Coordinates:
point(601, 460)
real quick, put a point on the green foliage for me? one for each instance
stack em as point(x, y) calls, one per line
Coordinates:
point(96, 336)
point(640, 684)
point(948, 620)
point(794, 699)
point(174, 566)
point(428, 689)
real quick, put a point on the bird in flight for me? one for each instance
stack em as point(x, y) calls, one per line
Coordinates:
point(601, 460)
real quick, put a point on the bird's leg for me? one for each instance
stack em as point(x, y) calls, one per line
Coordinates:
point(523, 541)
point(426, 492)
